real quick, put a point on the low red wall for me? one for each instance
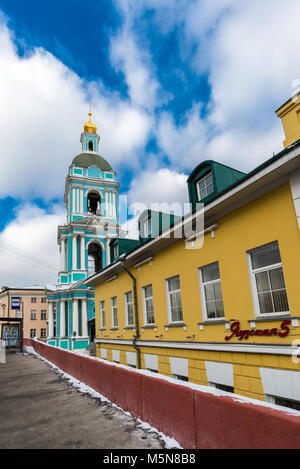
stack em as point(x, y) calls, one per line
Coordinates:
point(195, 419)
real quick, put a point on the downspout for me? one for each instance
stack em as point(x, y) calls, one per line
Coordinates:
point(137, 330)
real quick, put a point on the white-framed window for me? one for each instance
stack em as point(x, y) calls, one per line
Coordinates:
point(44, 300)
point(148, 227)
point(116, 251)
point(43, 315)
point(147, 295)
point(102, 314)
point(43, 333)
point(174, 299)
point(33, 300)
point(32, 333)
point(205, 186)
point(267, 281)
point(114, 312)
point(32, 314)
point(128, 309)
point(211, 292)
point(18, 314)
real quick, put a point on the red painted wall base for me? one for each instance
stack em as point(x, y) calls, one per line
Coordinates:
point(195, 419)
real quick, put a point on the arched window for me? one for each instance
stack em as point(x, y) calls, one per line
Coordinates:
point(91, 145)
point(94, 203)
point(94, 258)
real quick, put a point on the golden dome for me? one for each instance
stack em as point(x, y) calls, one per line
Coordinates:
point(89, 127)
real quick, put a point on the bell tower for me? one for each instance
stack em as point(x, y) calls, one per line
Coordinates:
point(91, 198)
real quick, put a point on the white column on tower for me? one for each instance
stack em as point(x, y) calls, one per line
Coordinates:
point(62, 255)
point(108, 251)
point(50, 321)
point(74, 252)
point(78, 199)
point(73, 199)
point(75, 316)
point(82, 253)
point(106, 203)
point(84, 319)
point(62, 319)
point(81, 200)
point(114, 204)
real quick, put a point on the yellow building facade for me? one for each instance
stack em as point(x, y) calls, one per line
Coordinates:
point(219, 306)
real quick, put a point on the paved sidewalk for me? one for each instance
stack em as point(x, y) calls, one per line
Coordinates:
point(38, 409)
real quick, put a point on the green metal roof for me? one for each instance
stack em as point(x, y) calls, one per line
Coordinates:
point(84, 160)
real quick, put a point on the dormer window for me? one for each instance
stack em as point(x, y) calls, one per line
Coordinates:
point(205, 186)
point(147, 228)
point(91, 145)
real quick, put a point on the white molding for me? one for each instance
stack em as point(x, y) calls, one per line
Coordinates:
point(288, 350)
point(145, 261)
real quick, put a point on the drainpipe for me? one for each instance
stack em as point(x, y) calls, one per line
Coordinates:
point(137, 332)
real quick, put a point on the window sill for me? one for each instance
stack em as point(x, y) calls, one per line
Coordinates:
point(149, 326)
point(212, 323)
point(176, 324)
point(103, 329)
point(128, 327)
point(274, 318)
point(114, 329)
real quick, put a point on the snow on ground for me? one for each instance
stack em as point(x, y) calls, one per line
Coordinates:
point(170, 443)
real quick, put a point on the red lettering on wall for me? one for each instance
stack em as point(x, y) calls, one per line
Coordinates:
point(241, 334)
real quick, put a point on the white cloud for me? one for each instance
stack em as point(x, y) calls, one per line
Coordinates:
point(158, 187)
point(28, 246)
point(43, 108)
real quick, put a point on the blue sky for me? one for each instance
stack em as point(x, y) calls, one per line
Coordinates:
point(173, 82)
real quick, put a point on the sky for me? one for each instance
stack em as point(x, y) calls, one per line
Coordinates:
point(172, 83)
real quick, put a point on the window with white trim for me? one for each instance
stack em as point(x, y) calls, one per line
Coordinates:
point(43, 333)
point(32, 315)
point(43, 315)
point(114, 312)
point(102, 314)
point(148, 305)
point(128, 309)
point(205, 186)
point(267, 281)
point(283, 402)
point(33, 300)
point(211, 292)
point(116, 251)
point(174, 299)
point(148, 228)
point(32, 333)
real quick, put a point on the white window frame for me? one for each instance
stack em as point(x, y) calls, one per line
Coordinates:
point(145, 300)
point(43, 333)
point(203, 297)
point(102, 314)
point(113, 309)
point(116, 251)
point(43, 313)
point(32, 336)
point(169, 301)
point(33, 313)
point(147, 231)
point(127, 304)
point(206, 186)
point(253, 285)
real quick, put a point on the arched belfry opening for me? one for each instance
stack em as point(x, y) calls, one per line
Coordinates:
point(91, 145)
point(94, 203)
point(94, 258)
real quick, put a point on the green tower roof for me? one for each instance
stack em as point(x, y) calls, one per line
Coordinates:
point(84, 160)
